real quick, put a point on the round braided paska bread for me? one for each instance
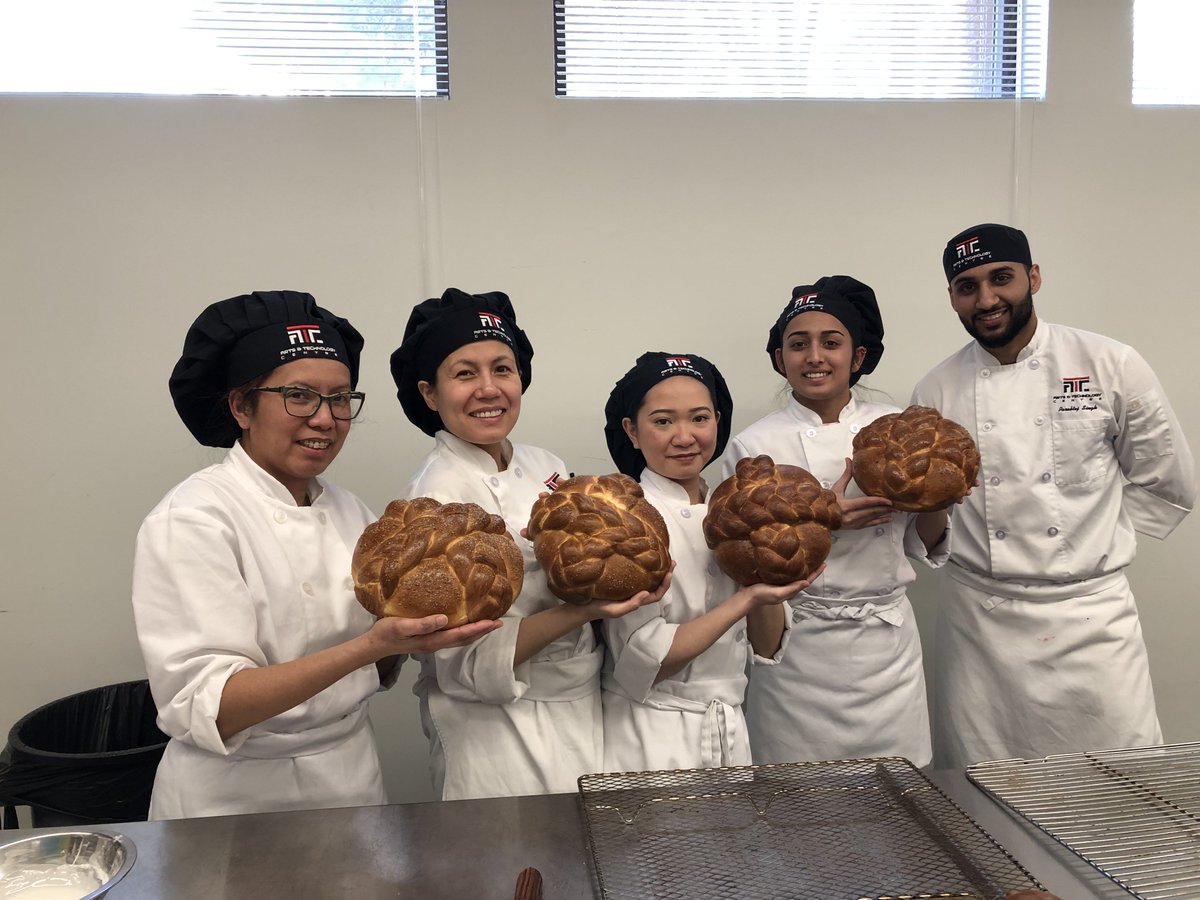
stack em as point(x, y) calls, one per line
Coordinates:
point(598, 538)
point(770, 524)
point(915, 458)
point(423, 557)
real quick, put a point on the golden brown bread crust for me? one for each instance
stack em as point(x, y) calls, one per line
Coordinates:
point(915, 458)
point(598, 538)
point(423, 557)
point(769, 523)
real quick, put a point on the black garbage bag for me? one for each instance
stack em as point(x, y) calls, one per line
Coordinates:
point(88, 759)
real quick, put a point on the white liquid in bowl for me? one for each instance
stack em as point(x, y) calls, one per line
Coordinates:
point(49, 882)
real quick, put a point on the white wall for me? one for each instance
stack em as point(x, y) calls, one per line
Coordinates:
point(616, 226)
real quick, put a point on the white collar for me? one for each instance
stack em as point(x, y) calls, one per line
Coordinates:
point(264, 481)
point(472, 453)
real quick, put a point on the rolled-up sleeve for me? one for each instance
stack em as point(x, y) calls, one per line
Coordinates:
point(638, 642)
point(195, 622)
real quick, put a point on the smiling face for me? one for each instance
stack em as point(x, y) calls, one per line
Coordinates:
point(818, 358)
point(676, 430)
point(994, 302)
point(477, 393)
point(292, 449)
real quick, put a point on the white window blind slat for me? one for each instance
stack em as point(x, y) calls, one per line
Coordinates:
point(313, 48)
point(838, 49)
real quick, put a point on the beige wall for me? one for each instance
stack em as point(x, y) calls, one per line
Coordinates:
point(616, 226)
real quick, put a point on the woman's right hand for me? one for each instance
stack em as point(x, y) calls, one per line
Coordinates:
point(757, 595)
point(428, 634)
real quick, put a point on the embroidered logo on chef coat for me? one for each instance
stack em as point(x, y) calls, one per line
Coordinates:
point(1078, 395)
point(304, 334)
point(551, 483)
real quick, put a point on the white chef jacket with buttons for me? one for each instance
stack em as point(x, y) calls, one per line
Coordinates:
point(852, 683)
point(1039, 646)
point(694, 718)
point(495, 730)
point(230, 574)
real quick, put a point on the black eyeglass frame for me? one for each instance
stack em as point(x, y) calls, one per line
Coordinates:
point(328, 399)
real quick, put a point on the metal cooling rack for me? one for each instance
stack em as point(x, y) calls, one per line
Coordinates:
point(854, 829)
point(1132, 814)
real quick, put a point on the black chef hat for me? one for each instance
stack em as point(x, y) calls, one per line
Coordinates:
point(984, 244)
point(438, 327)
point(627, 394)
point(849, 301)
point(236, 340)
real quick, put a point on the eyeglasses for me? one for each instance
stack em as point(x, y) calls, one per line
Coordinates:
point(304, 403)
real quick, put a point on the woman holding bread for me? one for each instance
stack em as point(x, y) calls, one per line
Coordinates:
point(852, 684)
point(259, 657)
point(517, 712)
point(675, 675)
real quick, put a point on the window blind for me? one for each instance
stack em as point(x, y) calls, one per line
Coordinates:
point(1166, 67)
point(836, 49)
point(308, 48)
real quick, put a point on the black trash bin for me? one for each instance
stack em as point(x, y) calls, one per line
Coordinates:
point(87, 759)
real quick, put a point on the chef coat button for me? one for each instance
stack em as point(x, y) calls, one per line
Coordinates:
point(826, 484)
point(1033, 364)
point(307, 588)
point(879, 531)
point(686, 513)
point(986, 373)
point(517, 472)
point(811, 432)
point(741, 635)
point(280, 516)
point(1052, 531)
point(835, 594)
point(882, 592)
point(1001, 535)
point(321, 517)
point(1046, 476)
point(987, 426)
point(1039, 420)
point(713, 570)
point(833, 538)
point(995, 479)
point(796, 617)
point(494, 481)
point(855, 428)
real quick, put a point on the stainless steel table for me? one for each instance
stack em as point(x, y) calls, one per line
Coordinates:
point(455, 849)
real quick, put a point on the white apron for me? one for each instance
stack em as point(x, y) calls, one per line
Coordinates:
point(694, 718)
point(496, 731)
point(852, 683)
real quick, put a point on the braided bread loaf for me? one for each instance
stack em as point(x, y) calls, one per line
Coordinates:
point(769, 523)
point(598, 538)
point(423, 557)
point(915, 458)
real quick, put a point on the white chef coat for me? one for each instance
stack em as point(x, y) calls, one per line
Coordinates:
point(1039, 646)
point(694, 718)
point(853, 683)
point(493, 730)
point(230, 573)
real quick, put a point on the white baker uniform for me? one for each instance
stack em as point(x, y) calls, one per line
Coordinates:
point(230, 574)
point(852, 683)
point(1039, 646)
point(694, 718)
point(496, 731)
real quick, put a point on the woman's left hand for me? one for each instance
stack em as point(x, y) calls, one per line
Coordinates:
point(428, 634)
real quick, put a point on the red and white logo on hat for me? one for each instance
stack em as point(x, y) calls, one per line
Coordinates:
point(487, 320)
point(1076, 385)
point(804, 300)
point(678, 362)
point(963, 249)
point(304, 334)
